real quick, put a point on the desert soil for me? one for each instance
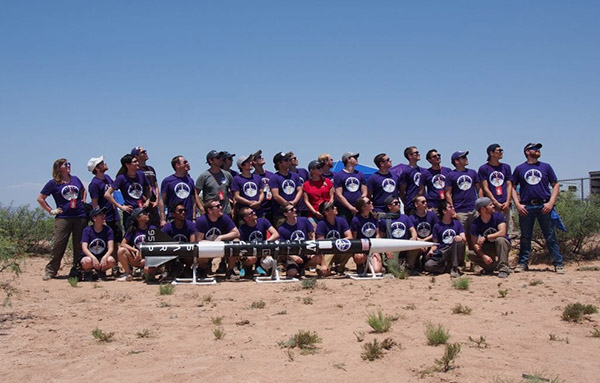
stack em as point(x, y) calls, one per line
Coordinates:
point(46, 334)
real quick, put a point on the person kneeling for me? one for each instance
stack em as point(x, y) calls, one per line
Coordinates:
point(129, 252)
point(450, 234)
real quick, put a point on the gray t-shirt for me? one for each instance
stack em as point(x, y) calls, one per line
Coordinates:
point(215, 186)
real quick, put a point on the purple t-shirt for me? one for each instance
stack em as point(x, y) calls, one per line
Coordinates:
point(182, 234)
point(464, 192)
point(287, 185)
point(97, 189)
point(297, 232)
point(212, 230)
point(444, 233)
point(132, 188)
point(330, 176)
point(350, 184)
point(335, 231)
point(411, 177)
point(534, 181)
point(424, 225)
point(435, 182)
point(67, 196)
point(364, 227)
point(496, 177)
point(480, 228)
point(138, 236)
point(256, 233)
point(266, 204)
point(179, 190)
point(399, 227)
point(382, 186)
point(97, 242)
point(249, 188)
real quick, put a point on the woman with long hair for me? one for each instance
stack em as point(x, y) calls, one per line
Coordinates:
point(70, 217)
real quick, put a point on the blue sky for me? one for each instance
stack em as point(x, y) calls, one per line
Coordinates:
point(80, 79)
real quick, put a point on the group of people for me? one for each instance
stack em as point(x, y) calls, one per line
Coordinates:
point(460, 209)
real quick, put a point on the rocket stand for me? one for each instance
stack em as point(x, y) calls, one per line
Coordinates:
point(365, 276)
point(275, 278)
point(194, 280)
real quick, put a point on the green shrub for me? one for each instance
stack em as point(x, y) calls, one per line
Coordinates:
point(575, 312)
point(25, 227)
point(445, 364)
point(461, 283)
point(166, 289)
point(436, 335)
point(304, 340)
point(379, 323)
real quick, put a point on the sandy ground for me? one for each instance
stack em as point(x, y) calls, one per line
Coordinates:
point(47, 333)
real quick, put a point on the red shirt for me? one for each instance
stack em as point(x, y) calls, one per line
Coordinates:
point(317, 192)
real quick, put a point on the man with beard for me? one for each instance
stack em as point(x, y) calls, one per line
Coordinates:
point(179, 188)
point(433, 180)
point(410, 179)
point(350, 184)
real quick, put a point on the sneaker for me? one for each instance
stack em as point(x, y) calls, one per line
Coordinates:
point(502, 274)
point(137, 272)
point(454, 273)
point(521, 267)
point(559, 269)
point(125, 278)
point(230, 276)
point(260, 271)
point(101, 275)
point(87, 276)
point(47, 277)
point(360, 269)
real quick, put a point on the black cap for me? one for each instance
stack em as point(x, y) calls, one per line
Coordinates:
point(532, 145)
point(98, 210)
point(325, 205)
point(314, 164)
point(138, 211)
point(213, 154)
point(280, 157)
point(491, 148)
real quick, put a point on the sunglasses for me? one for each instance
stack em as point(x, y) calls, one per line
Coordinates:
point(369, 203)
point(290, 210)
point(436, 156)
point(415, 153)
point(395, 203)
point(66, 165)
point(180, 211)
point(216, 206)
point(252, 212)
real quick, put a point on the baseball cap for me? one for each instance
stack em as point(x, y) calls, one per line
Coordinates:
point(314, 164)
point(325, 205)
point(491, 148)
point(226, 154)
point(242, 159)
point(458, 154)
point(346, 156)
point(138, 211)
point(214, 154)
point(280, 157)
point(93, 162)
point(136, 151)
point(257, 154)
point(532, 145)
point(482, 202)
point(98, 210)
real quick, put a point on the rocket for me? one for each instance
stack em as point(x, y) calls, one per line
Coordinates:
point(158, 253)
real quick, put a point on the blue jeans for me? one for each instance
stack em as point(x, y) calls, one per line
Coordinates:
point(526, 223)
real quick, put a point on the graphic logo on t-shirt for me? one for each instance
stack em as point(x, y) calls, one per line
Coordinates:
point(496, 178)
point(438, 181)
point(250, 189)
point(97, 246)
point(448, 236)
point(533, 176)
point(368, 229)
point(139, 239)
point(424, 229)
point(288, 187)
point(182, 190)
point(297, 235)
point(333, 234)
point(388, 185)
point(490, 230)
point(181, 238)
point(255, 236)
point(70, 192)
point(343, 244)
point(464, 182)
point(135, 190)
point(352, 184)
point(212, 233)
point(417, 178)
point(398, 229)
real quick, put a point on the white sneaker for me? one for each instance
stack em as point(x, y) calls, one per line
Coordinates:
point(125, 278)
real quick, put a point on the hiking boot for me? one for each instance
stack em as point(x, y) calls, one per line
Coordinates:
point(559, 269)
point(101, 275)
point(502, 274)
point(222, 269)
point(454, 273)
point(521, 267)
point(360, 269)
point(87, 276)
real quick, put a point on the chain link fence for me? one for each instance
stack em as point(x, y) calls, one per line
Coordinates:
point(582, 187)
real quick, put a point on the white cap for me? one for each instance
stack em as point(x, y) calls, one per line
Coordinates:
point(93, 162)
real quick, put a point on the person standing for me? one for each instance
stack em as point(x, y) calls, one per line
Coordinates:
point(304, 176)
point(350, 184)
point(285, 186)
point(215, 183)
point(142, 156)
point(410, 179)
point(327, 163)
point(317, 189)
point(266, 207)
point(496, 180)
point(433, 180)
point(538, 192)
point(382, 183)
point(247, 187)
point(70, 219)
point(179, 188)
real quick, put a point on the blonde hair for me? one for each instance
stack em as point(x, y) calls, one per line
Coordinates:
point(56, 169)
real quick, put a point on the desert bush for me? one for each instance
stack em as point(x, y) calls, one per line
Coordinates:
point(446, 362)
point(304, 340)
point(461, 283)
point(166, 289)
point(258, 305)
point(436, 335)
point(460, 309)
point(24, 226)
point(218, 333)
point(103, 336)
point(309, 283)
point(379, 323)
point(575, 312)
